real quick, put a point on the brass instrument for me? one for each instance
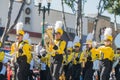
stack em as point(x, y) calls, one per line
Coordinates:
point(85, 55)
point(14, 60)
point(48, 38)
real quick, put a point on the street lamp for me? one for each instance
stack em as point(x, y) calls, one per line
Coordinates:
point(43, 9)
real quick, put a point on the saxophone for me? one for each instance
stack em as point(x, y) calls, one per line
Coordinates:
point(84, 58)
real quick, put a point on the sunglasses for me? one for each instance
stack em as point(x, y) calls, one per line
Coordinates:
point(68, 51)
point(57, 33)
point(76, 46)
point(107, 40)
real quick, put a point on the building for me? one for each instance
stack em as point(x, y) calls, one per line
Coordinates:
point(32, 20)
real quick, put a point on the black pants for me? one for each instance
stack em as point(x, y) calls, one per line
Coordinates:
point(15, 70)
point(31, 75)
point(2, 77)
point(106, 69)
point(76, 69)
point(45, 74)
point(49, 75)
point(56, 66)
point(117, 72)
point(68, 71)
point(23, 72)
point(88, 71)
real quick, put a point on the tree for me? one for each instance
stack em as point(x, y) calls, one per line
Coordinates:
point(8, 28)
point(113, 7)
point(79, 13)
point(64, 19)
point(100, 10)
point(8, 21)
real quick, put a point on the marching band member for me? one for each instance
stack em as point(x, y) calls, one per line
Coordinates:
point(67, 61)
point(27, 40)
point(88, 69)
point(86, 59)
point(68, 64)
point(107, 55)
point(116, 64)
point(3, 64)
point(45, 65)
point(58, 47)
point(96, 60)
point(76, 62)
point(23, 53)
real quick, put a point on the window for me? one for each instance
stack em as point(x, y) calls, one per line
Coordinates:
point(71, 30)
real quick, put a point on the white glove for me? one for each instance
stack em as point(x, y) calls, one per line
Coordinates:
point(94, 44)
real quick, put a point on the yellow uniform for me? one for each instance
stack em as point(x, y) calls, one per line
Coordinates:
point(76, 55)
point(95, 54)
point(46, 59)
point(67, 58)
point(3, 62)
point(83, 57)
point(76, 67)
point(116, 56)
point(26, 48)
point(2, 56)
point(60, 44)
point(13, 48)
point(1, 59)
point(108, 52)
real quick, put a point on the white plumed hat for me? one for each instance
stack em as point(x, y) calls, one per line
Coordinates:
point(108, 34)
point(58, 24)
point(19, 28)
point(58, 27)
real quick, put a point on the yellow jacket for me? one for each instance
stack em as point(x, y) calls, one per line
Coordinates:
point(67, 58)
point(76, 55)
point(2, 56)
point(83, 57)
point(46, 59)
point(116, 56)
point(26, 50)
point(61, 44)
point(13, 48)
point(95, 54)
point(108, 52)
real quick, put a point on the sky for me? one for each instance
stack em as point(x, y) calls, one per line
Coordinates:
point(89, 8)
